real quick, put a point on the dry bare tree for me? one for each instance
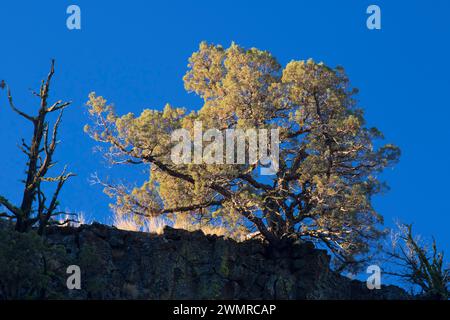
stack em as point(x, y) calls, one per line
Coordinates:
point(36, 210)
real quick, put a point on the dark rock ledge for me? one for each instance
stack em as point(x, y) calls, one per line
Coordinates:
point(178, 264)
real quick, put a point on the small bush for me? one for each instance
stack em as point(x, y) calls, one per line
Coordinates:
point(27, 265)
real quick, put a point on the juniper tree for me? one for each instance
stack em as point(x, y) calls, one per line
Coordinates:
point(328, 162)
point(34, 209)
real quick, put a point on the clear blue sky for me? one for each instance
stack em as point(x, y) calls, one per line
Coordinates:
point(135, 54)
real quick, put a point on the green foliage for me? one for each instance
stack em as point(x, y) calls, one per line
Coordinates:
point(420, 264)
point(28, 265)
point(89, 262)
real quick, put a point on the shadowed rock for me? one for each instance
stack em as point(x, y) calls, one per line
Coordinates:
point(178, 264)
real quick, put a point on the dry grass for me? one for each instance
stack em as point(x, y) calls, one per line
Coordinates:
point(150, 225)
point(156, 225)
point(71, 220)
point(125, 223)
point(182, 222)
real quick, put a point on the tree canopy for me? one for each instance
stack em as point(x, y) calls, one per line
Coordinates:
point(328, 158)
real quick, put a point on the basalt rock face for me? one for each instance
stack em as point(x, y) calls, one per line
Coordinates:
point(177, 264)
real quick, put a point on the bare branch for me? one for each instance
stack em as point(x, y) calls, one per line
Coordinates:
point(13, 107)
point(59, 105)
point(8, 205)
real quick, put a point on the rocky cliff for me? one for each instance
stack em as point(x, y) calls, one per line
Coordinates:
point(177, 264)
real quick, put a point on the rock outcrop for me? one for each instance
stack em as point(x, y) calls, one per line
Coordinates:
point(178, 264)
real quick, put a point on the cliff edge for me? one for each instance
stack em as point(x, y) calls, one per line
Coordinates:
point(118, 264)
